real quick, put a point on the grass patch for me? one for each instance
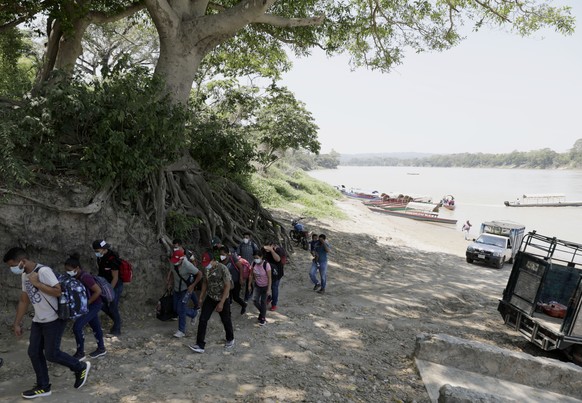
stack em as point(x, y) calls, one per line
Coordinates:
point(293, 190)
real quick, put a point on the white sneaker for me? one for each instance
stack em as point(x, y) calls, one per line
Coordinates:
point(229, 344)
point(197, 349)
point(179, 334)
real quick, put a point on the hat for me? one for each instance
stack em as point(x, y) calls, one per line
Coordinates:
point(215, 241)
point(206, 259)
point(101, 244)
point(177, 256)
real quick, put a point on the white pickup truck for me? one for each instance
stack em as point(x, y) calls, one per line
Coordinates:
point(498, 243)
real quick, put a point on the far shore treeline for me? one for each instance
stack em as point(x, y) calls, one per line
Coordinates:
point(540, 159)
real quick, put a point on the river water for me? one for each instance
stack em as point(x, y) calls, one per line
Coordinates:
point(479, 193)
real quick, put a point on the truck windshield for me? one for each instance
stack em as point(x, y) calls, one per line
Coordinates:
point(491, 240)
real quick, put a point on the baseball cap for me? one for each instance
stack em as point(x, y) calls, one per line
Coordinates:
point(101, 244)
point(206, 259)
point(177, 256)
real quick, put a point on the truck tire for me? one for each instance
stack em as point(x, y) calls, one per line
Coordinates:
point(469, 260)
point(501, 263)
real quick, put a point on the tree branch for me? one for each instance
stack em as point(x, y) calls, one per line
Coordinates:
point(283, 22)
point(163, 16)
point(98, 17)
point(93, 207)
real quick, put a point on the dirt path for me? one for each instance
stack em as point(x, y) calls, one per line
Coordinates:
point(354, 344)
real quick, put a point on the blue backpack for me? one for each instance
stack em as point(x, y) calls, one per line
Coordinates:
point(73, 300)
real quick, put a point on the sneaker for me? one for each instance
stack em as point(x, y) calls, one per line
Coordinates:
point(100, 352)
point(36, 392)
point(79, 355)
point(322, 291)
point(179, 334)
point(243, 310)
point(196, 348)
point(81, 376)
point(112, 335)
point(316, 287)
point(229, 344)
point(273, 308)
point(262, 322)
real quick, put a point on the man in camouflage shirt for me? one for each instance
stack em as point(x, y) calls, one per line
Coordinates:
point(215, 291)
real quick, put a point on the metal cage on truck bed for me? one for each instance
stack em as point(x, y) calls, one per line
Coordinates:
point(545, 270)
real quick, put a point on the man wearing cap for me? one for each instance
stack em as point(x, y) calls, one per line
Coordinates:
point(214, 296)
point(186, 276)
point(108, 262)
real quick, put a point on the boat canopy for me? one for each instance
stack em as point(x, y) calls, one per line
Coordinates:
point(544, 196)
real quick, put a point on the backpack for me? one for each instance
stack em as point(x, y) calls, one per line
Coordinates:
point(73, 300)
point(107, 291)
point(246, 267)
point(125, 271)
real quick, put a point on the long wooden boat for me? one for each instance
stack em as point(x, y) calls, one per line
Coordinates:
point(416, 211)
point(358, 194)
point(543, 200)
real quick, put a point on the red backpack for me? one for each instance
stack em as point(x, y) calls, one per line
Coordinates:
point(246, 267)
point(125, 271)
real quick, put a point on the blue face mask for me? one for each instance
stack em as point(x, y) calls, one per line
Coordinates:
point(98, 254)
point(16, 270)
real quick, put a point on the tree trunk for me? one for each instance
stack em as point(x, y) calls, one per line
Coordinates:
point(178, 68)
point(71, 47)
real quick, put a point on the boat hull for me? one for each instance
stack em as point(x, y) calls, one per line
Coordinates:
point(564, 204)
point(414, 215)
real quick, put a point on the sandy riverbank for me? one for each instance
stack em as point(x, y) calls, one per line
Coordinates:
point(389, 280)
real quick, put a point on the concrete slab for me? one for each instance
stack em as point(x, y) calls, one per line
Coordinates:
point(435, 376)
point(486, 369)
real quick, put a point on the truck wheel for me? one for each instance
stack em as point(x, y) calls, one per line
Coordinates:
point(469, 260)
point(501, 263)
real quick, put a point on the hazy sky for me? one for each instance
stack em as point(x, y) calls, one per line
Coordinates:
point(496, 92)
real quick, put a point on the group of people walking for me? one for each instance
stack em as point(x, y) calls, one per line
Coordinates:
point(199, 288)
point(225, 276)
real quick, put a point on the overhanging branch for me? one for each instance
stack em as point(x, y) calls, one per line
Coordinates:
point(283, 22)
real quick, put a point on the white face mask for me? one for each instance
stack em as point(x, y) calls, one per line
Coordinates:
point(246, 240)
point(257, 260)
point(98, 254)
point(209, 266)
point(17, 269)
point(176, 248)
point(222, 257)
point(72, 273)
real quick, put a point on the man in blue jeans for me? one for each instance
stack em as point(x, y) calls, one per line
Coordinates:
point(41, 288)
point(319, 263)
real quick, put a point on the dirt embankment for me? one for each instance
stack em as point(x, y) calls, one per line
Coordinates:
point(388, 281)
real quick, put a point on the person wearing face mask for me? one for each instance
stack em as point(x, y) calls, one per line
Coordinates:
point(108, 262)
point(177, 244)
point(186, 277)
point(276, 256)
point(246, 249)
point(95, 303)
point(41, 288)
point(261, 278)
point(235, 269)
point(214, 297)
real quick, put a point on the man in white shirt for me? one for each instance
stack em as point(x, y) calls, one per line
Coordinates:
point(41, 288)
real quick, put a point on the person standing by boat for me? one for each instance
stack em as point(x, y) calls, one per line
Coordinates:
point(466, 228)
